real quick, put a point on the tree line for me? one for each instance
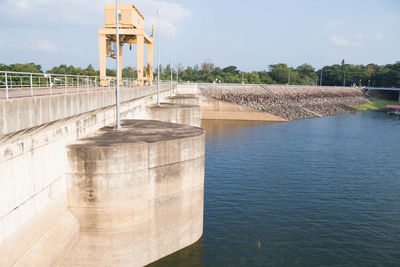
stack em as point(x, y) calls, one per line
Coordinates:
point(335, 75)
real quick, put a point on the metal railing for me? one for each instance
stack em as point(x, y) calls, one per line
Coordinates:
point(18, 84)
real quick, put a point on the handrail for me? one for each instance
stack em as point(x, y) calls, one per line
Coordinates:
point(47, 73)
point(19, 84)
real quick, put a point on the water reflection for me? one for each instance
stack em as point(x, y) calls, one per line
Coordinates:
point(222, 128)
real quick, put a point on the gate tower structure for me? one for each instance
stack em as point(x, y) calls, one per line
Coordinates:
point(131, 31)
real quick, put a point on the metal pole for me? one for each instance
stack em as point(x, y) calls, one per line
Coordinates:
point(87, 83)
point(6, 85)
point(177, 67)
point(344, 78)
point(31, 84)
point(172, 60)
point(242, 77)
point(51, 90)
point(289, 78)
point(65, 84)
point(170, 92)
point(158, 59)
point(320, 80)
point(118, 119)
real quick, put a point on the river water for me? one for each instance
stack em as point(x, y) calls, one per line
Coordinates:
point(312, 192)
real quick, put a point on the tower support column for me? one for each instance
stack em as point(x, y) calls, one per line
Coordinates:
point(140, 58)
point(102, 59)
point(150, 49)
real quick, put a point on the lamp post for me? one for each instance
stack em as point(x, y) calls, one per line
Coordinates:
point(344, 78)
point(118, 119)
point(240, 59)
point(177, 67)
point(158, 60)
point(170, 92)
point(320, 80)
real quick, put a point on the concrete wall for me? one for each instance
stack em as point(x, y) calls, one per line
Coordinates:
point(185, 100)
point(33, 201)
point(187, 89)
point(213, 109)
point(21, 113)
point(138, 193)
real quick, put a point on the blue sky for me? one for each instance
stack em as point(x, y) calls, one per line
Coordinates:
point(249, 34)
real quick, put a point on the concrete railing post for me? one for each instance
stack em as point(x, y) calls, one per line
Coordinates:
point(31, 83)
point(6, 85)
point(65, 84)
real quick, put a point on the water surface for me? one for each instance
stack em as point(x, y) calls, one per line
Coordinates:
point(312, 192)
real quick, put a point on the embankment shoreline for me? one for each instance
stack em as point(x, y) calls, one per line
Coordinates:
point(290, 102)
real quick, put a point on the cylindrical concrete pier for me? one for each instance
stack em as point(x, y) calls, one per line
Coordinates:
point(137, 193)
point(176, 113)
point(185, 100)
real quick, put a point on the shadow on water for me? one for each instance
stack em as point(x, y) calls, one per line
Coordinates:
point(192, 254)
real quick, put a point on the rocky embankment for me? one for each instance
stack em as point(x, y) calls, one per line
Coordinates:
point(290, 102)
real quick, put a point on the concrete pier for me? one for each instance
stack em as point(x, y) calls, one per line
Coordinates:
point(183, 99)
point(137, 192)
point(176, 113)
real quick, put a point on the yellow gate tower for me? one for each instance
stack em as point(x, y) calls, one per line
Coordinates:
point(131, 31)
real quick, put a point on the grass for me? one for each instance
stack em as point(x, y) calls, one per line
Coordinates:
point(377, 104)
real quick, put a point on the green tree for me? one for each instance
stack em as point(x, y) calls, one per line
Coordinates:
point(26, 67)
point(279, 73)
point(129, 72)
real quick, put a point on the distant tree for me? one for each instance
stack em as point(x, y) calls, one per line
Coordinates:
point(111, 72)
point(4, 67)
point(129, 72)
point(231, 69)
point(306, 74)
point(207, 67)
point(371, 74)
point(89, 71)
point(167, 70)
point(252, 78)
point(265, 78)
point(279, 73)
point(26, 67)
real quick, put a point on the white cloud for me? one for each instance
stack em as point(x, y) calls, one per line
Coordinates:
point(343, 40)
point(90, 12)
point(21, 4)
point(171, 16)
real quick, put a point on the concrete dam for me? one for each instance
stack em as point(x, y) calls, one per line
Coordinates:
point(74, 192)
